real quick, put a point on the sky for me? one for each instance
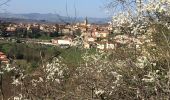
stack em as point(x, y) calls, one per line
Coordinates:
point(89, 8)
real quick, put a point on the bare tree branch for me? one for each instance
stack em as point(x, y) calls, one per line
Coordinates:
point(5, 3)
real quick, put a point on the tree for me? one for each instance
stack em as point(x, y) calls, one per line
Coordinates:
point(139, 70)
point(1, 77)
point(148, 18)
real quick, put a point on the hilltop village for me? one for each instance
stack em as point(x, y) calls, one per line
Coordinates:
point(100, 36)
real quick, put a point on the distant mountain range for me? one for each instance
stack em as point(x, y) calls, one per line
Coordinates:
point(50, 18)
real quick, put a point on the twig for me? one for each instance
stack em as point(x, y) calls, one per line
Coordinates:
point(5, 3)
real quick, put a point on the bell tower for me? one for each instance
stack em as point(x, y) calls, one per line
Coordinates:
point(86, 21)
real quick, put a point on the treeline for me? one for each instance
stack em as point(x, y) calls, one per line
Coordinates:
point(34, 53)
point(31, 53)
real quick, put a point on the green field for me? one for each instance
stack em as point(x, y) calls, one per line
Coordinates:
point(29, 55)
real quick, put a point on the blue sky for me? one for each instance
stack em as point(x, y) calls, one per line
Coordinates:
point(90, 8)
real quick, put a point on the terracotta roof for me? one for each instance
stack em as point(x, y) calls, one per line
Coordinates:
point(3, 58)
point(1, 53)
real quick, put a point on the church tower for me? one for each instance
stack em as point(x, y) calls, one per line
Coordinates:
point(86, 21)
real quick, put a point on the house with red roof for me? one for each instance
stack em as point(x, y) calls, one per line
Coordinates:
point(3, 58)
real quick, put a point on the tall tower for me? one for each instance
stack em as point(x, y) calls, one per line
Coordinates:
point(86, 21)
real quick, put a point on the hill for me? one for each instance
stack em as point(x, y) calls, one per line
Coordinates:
point(49, 17)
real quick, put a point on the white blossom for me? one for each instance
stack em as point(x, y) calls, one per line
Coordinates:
point(16, 82)
point(99, 92)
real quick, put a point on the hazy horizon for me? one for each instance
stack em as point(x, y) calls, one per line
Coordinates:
point(89, 8)
point(56, 14)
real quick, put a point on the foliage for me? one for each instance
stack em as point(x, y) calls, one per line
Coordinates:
point(128, 72)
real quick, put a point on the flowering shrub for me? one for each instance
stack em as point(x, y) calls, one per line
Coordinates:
point(138, 71)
